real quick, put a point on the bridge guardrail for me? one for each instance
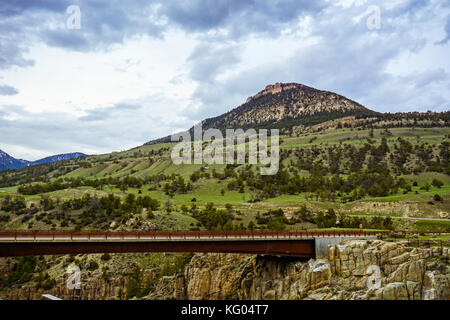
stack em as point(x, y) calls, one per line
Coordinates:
point(139, 234)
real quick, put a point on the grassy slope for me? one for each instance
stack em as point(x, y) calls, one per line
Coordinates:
point(124, 163)
point(136, 162)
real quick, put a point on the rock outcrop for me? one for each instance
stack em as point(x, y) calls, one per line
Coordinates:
point(94, 287)
point(283, 101)
point(358, 269)
point(355, 269)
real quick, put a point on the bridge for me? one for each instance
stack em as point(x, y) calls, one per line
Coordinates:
point(304, 244)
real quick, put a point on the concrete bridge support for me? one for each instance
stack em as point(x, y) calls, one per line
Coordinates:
point(321, 244)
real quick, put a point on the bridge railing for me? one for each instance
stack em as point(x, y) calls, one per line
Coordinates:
point(204, 234)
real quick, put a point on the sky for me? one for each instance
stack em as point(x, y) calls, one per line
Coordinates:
point(108, 75)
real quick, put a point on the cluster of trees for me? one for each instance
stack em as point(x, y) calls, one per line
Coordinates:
point(44, 281)
point(140, 285)
point(95, 211)
point(99, 212)
point(330, 219)
point(37, 188)
point(344, 171)
point(12, 204)
point(401, 158)
point(17, 206)
point(317, 185)
point(150, 154)
point(177, 185)
point(21, 272)
point(401, 119)
point(416, 119)
point(276, 220)
point(214, 219)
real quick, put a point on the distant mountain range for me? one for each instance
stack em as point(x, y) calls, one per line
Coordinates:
point(8, 162)
point(283, 106)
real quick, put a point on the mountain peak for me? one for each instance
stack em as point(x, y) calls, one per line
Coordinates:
point(283, 106)
point(8, 162)
point(276, 88)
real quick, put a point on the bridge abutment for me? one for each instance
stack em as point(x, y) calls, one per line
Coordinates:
point(321, 244)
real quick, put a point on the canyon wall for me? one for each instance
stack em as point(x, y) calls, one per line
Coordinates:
point(355, 269)
point(358, 269)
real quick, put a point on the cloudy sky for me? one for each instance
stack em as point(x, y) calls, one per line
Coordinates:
point(124, 72)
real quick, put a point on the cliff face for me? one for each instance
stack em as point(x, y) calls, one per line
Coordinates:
point(354, 270)
point(357, 269)
point(96, 287)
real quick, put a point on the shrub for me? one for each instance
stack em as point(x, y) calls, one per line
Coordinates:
point(22, 271)
point(92, 266)
point(437, 183)
point(106, 257)
point(4, 218)
point(45, 282)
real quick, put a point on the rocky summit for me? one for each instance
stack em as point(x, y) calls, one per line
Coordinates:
point(282, 102)
point(283, 106)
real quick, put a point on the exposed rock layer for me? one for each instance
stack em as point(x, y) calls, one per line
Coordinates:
point(357, 269)
point(354, 270)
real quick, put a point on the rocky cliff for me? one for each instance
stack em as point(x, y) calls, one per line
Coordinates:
point(358, 269)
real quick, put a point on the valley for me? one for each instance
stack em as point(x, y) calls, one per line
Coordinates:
point(354, 171)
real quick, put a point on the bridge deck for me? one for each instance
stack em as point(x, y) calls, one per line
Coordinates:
point(72, 236)
point(283, 243)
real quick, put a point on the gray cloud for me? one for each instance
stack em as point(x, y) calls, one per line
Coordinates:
point(105, 22)
point(237, 15)
point(447, 32)
point(349, 59)
point(124, 126)
point(208, 61)
point(430, 77)
point(101, 114)
point(17, 7)
point(6, 90)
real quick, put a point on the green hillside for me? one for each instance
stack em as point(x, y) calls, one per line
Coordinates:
point(359, 173)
